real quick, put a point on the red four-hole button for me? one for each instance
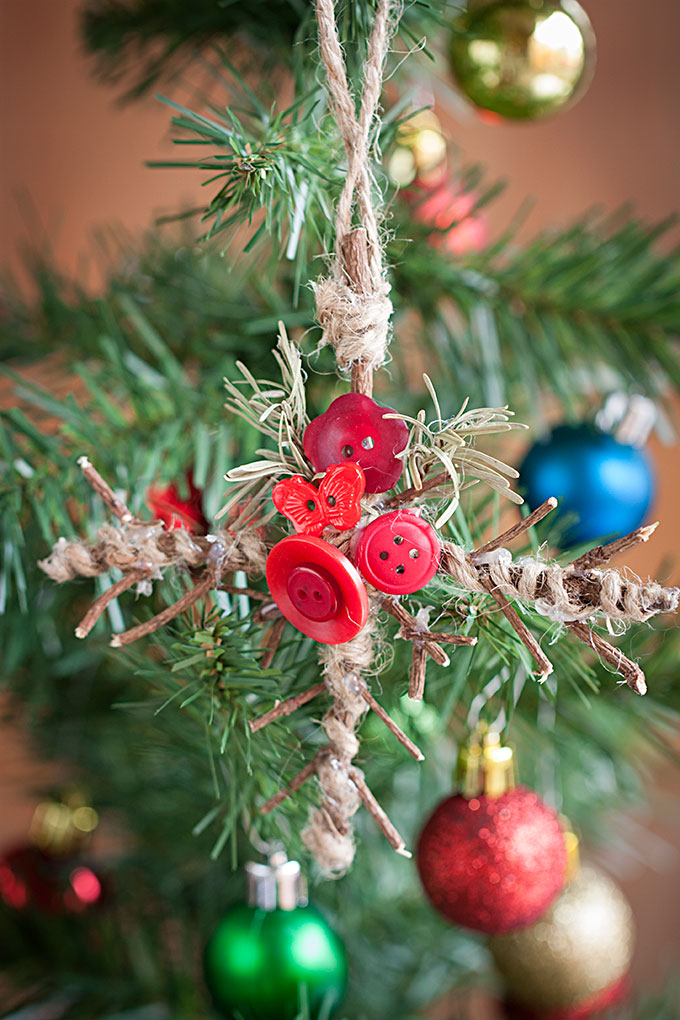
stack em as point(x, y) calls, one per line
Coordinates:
point(317, 588)
point(398, 553)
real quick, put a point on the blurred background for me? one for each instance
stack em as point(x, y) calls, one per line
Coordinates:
point(73, 160)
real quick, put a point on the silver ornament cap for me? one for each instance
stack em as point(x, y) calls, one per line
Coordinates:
point(277, 885)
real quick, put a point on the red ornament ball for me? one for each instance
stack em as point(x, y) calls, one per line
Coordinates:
point(31, 878)
point(492, 863)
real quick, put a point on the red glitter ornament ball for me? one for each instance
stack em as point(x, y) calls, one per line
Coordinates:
point(31, 878)
point(492, 863)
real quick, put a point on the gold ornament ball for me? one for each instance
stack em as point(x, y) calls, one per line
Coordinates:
point(582, 945)
point(420, 149)
point(523, 59)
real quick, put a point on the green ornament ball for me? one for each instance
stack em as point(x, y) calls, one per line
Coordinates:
point(264, 965)
point(523, 59)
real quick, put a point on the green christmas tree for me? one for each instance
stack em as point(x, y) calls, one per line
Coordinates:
point(228, 722)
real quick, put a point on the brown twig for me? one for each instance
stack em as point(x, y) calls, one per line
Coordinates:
point(603, 553)
point(201, 588)
point(527, 638)
point(287, 707)
point(425, 643)
point(103, 489)
point(453, 639)
point(295, 784)
point(412, 748)
point(271, 642)
point(416, 686)
point(517, 529)
point(251, 593)
point(100, 604)
point(630, 671)
point(414, 632)
point(374, 808)
point(408, 495)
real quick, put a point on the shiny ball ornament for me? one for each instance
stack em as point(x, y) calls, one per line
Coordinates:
point(268, 957)
point(33, 879)
point(523, 59)
point(605, 488)
point(420, 150)
point(493, 864)
point(574, 961)
point(594, 1006)
point(458, 227)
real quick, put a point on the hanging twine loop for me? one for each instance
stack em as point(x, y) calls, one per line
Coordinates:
point(352, 304)
point(354, 310)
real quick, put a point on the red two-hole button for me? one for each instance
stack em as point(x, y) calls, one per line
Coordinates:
point(317, 588)
point(313, 593)
point(398, 553)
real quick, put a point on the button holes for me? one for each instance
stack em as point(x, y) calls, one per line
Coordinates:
point(317, 596)
point(401, 568)
point(368, 442)
point(347, 451)
point(331, 500)
point(398, 539)
point(414, 554)
point(384, 554)
point(311, 505)
point(302, 594)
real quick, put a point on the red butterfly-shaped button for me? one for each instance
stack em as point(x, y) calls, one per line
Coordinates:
point(335, 502)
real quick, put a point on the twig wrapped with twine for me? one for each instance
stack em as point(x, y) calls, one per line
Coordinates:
point(354, 310)
point(352, 304)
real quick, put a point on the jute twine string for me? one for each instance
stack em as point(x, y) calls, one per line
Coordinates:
point(329, 835)
point(150, 545)
point(555, 592)
point(354, 310)
point(352, 305)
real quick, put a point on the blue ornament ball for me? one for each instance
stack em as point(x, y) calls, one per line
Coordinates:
point(604, 488)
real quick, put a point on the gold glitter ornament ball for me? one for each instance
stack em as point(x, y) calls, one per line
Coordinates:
point(523, 59)
point(582, 945)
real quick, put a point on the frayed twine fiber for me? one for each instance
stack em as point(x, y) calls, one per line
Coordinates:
point(353, 307)
point(355, 325)
point(152, 546)
point(558, 593)
point(329, 833)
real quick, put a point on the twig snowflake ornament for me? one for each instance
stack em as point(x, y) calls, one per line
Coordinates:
point(358, 486)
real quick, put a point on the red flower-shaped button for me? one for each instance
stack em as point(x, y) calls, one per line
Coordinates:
point(398, 553)
point(353, 428)
point(337, 501)
point(317, 589)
